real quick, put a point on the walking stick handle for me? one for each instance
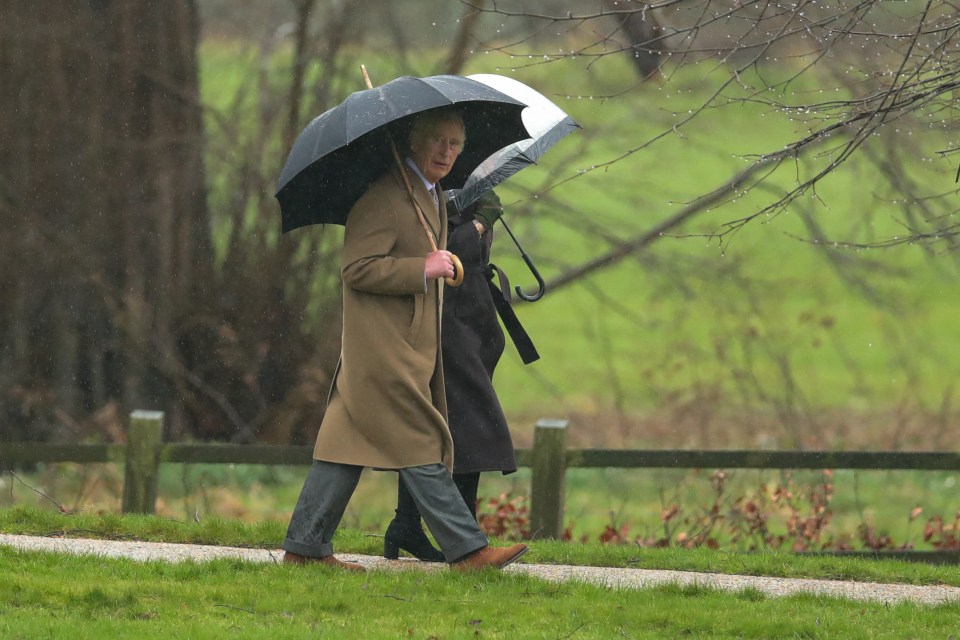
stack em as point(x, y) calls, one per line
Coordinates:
point(458, 272)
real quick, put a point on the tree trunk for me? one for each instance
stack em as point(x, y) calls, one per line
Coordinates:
point(459, 50)
point(105, 234)
point(644, 35)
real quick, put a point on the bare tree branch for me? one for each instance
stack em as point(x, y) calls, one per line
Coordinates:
point(458, 51)
point(651, 235)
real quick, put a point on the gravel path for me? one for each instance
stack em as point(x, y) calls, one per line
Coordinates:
point(611, 577)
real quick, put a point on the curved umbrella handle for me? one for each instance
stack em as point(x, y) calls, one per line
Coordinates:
point(529, 297)
point(533, 297)
point(458, 272)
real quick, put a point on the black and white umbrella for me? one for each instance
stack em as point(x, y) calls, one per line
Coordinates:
point(547, 124)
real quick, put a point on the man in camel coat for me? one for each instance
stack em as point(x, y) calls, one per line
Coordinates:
point(386, 407)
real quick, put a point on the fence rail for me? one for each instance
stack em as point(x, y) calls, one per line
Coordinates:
point(549, 458)
point(267, 454)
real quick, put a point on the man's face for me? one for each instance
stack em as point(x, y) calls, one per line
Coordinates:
point(435, 151)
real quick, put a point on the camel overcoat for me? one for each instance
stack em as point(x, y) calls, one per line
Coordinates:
point(387, 407)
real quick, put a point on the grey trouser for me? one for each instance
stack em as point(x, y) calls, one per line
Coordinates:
point(327, 491)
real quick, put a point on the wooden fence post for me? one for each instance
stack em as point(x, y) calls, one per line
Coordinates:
point(144, 439)
point(549, 465)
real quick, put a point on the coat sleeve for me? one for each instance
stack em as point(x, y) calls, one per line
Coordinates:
point(375, 256)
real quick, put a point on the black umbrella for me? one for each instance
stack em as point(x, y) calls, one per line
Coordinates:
point(547, 125)
point(343, 150)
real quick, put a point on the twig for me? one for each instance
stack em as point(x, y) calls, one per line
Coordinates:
point(390, 595)
point(60, 507)
point(230, 606)
point(570, 635)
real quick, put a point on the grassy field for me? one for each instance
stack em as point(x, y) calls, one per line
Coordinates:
point(88, 597)
point(53, 596)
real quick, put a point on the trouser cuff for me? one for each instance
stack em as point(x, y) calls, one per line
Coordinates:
point(465, 547)
point(309, 550)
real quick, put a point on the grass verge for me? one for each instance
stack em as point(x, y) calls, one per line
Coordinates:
point(269, 534)
point(53, 595)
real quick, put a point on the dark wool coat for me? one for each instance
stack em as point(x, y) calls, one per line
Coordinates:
point(386, 407)
point(472, 345)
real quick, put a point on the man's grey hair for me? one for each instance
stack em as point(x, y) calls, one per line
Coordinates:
point(424, 123)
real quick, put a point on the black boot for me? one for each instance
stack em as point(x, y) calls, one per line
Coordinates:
point(468, 484)
point(405, 531)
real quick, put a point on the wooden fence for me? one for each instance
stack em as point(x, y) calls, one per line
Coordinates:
point(549, 458)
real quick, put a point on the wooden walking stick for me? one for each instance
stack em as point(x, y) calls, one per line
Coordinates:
point(457, 278)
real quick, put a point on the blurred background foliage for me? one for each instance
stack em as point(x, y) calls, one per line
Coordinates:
point(750, 244)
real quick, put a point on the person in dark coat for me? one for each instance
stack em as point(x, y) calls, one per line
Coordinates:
point(472, 343)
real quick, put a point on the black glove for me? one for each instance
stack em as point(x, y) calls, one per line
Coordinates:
point(488, 210)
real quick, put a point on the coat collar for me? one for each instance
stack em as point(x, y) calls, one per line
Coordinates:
point(413, 165)
point(436, 220)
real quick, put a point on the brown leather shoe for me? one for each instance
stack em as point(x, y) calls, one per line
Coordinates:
point(331, 561)
point(498, 557)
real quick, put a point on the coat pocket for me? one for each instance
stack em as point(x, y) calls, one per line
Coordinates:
point(413, 331)
point(333, 381)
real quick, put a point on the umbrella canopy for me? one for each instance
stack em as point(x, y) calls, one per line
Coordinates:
point(547, 125)
point(344, 149)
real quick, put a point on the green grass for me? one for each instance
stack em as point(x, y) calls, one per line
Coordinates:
point(52, 596)
point(49, 595)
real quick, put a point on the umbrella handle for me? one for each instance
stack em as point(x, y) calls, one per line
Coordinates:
point(532, 297)
point(457, 278)
point(542, 287)
point(458, 272)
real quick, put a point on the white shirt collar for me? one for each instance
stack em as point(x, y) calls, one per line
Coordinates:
point(413, 165)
